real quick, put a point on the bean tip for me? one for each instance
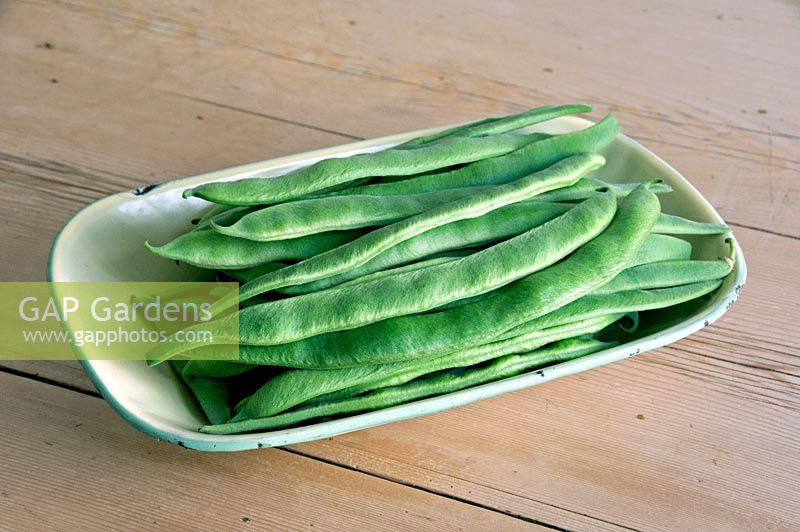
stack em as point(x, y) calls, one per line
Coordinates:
point(188, 193)
point(223, 229)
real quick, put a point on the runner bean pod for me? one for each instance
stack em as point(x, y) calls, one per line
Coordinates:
point(332, 172)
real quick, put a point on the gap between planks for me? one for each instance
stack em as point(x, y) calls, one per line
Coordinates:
point(92, 393)
point(169, 25)
point(655, 116)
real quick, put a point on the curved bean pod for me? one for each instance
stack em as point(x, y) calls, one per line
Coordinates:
point(439, 384)
point(450, 258)
point(503, 169)
point(252, 273)
point(225, 215)
point(655, 248)
point(211, 212)
point(592, 305)
point(306, 217)
point(500, 124)
point(213, 395)
point(206, 249)
point(665, 274)
point(209, 249)
point(214, 368)
point(588, 186)
point(494, 226)
point(329, 173)
point(662, 247)
point(297, 386)
point(675, 225)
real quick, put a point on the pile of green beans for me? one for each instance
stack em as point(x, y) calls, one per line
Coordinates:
point(451, 260)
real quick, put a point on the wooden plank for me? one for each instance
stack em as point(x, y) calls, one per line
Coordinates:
point(67, 374)
point(138, 136)
point(702, 433)
point(637, 445)
point(720, 411)
point(745, 162)
point(133, 79)
point(124, 135)
point(70, 463)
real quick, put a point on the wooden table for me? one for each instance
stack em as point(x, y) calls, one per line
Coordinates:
point(99, 97)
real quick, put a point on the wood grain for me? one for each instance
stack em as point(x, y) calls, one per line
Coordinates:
point(732, 382)
point(699, 435)
point(724, 144)
point(72, 461)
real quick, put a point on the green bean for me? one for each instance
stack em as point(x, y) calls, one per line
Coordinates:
point(414, 266)
point(668, 273)
point(503, 169)
point(252, 273)
point(215, 368)
point(496, 125)
point(655, 248)
point(209, 249)
point(363, 249)
point(587, 186)
point(675, 225)
point(306, 217)
point(331, 172)
point(535, 137)
point(592, 305)
point(292, 319)
point(213, 395)
point(637, 293)
point(425, 335)
point(214, 210)
point(662, 247)
point(665, 274)
point(290, 220)
point(297, 386)
point(497, 225)
point(445, 382)
point(410, 370)
point(438, 260)
point(225, 215)
point(249, 274)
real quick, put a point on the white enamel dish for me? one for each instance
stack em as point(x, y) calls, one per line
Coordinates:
point(104, 242)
